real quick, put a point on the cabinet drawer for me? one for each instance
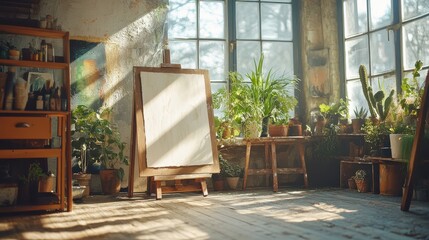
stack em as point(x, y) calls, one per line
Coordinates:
point(25, 128)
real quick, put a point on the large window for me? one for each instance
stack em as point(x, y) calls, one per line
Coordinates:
point(388, 37)
point(224, 36)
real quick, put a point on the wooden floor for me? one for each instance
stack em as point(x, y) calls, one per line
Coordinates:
point(253, 214)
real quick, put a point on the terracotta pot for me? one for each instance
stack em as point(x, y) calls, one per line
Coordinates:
point(218, 184)
point(232, 182)
point(362, 185)
point(278, 130)
point(357, 125)
point(110, 182)
point(46, 184)
point(392, 176)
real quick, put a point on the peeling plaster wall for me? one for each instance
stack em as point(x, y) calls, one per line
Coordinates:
point(319, 52)
point(132, 31)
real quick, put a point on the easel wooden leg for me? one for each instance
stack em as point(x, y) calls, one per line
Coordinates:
point(274, 167)
point(204, 187)
point(246, 164)
point(158, 190)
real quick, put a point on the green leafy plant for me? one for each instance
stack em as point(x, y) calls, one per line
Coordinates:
point(360, 113)
point(99, 139)
point(228, 169)
point(412, 91)
point(375, 134)
point(34, 172)
point(261, 96)
point(360, 174)
point(378, 106)
point(335, 111)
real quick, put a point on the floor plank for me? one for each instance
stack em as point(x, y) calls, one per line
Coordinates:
point(250, 214)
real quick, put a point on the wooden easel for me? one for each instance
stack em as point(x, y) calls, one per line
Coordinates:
point(156, 184)
point(416, 157)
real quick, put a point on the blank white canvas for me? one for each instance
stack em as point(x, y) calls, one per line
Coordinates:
point(176, 120)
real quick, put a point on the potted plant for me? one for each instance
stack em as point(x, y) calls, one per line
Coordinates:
point(261, 95)
point(103, 145)
point(232, 172)
point(378, 106)
point(362, 183)
point(13, 51)
point(334, 111)
point(359, 119)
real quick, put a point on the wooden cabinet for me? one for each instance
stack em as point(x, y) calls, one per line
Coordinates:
point(26, 135)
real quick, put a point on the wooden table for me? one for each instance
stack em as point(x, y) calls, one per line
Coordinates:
point(270, 144)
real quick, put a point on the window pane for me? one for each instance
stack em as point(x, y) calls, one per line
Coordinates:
point(382, 52)
point(356, 97)
point(212, 57)
point(284, 1)
point(276, 21)
point(247, 53)
point(420, 79)
point(356, 54)
point(355, 17)
point(381, 13)
point(279, 57)
point(414, 8)
point(182, 19)
point(214, 88)
point(247, 20)
point(416, 42)
point(184, 53)
point(212, 19)
point(386, 83)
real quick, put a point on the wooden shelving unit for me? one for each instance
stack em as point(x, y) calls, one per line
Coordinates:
point(32, 131)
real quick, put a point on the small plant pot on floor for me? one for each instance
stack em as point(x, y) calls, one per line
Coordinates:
point(362, 185)
point(232, 182)
point(110, 182)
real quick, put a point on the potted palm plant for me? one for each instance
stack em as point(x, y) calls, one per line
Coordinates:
point(102, 145)
point(262, 96)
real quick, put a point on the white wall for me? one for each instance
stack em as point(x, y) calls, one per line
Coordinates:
point(132, 31)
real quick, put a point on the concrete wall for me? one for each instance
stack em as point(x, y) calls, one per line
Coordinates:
point(319, 53)
point(132, 32)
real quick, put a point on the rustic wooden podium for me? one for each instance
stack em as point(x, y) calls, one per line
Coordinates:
point(271, 144)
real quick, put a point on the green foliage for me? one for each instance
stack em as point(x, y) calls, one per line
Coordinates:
point(259, 96)
point(375, 134)
point(34, 172)
point(360, 174)
point(328, 146)
point(411, 97)
point(377, 105)
point(228, 169)
point(335, 111)
point(97, 138)
point(360, 113)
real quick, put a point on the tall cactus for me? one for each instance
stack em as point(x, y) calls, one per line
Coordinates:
point(376, 106)
point(367, 90)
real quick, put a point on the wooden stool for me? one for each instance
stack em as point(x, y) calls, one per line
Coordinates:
point(270, 144)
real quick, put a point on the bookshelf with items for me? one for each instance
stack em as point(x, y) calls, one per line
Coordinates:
point(35, 119)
